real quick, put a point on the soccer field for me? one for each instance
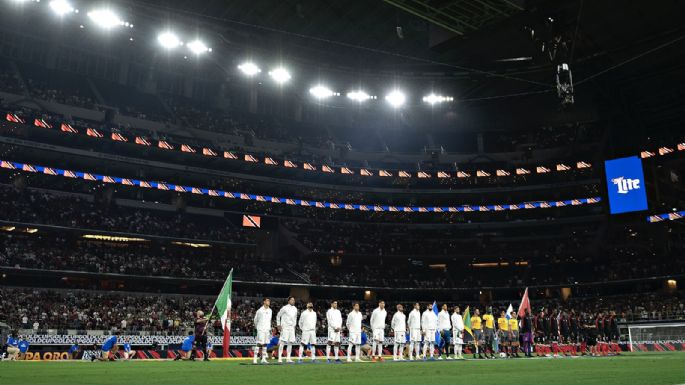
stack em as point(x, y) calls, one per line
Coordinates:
point(639, 368)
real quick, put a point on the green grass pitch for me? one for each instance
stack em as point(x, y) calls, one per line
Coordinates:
point(637, 368)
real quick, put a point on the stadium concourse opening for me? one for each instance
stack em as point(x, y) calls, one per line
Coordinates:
point(387, 191)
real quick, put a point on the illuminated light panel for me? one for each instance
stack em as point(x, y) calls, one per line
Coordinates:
point(112, 238)
point(435, 99)
point(396, 98)
point(107, 19)
point(280, 75)
point(322, 92)
point(198, 47)
point(190, 244)
point(168, 40)
point(249, 68)
point(62, 7)
point(359, 96)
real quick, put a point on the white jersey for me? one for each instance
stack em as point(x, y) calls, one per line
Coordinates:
point(307, 320)
point(334, 318)
point(444, 320)
point(378, 317)
point(262, 319)
point(457, 322)
point(414, 321)
point(354, 322)
point(429, 321)
point(287, 316)
point(399, 322)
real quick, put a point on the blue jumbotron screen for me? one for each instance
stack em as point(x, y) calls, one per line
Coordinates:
point(626, 185)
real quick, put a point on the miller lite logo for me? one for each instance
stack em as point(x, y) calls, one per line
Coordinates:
point(625, 184)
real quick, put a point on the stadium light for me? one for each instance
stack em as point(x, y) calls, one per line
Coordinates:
point(107, 19)
point(198, 47)
point(322, 92)
point(168, 40)
point(61, 7)
point(249, 68)
point(434, 99)
point(280, 75)
point(395, 98)
point(359, 96)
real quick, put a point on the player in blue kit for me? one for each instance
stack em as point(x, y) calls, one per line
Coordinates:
point(73, 350)
point(187, 349)
point(23, 348)
point(110, 346)
point(272, 346)
point(128, 352)
point(12, 347)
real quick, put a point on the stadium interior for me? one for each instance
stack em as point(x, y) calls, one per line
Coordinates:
point(399, 150)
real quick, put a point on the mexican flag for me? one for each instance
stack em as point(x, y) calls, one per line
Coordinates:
point(223, 307)
point(467, 321)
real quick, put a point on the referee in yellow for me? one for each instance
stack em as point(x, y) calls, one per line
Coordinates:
point(503, 332)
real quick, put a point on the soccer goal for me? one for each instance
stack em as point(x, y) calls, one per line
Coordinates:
point(656, 336)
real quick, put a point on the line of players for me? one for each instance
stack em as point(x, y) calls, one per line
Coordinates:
point(419, 331)
point(415, 335)
point(416, 331)
point(557, 332)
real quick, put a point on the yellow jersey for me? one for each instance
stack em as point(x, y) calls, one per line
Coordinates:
point(514, 324)
point(475, 323)
point(502, 324)
point(489, 321)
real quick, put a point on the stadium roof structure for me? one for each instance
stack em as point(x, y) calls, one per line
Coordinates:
point(627, 58)
point(480, 48)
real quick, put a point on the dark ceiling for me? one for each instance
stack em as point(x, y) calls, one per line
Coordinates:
point(625, 55)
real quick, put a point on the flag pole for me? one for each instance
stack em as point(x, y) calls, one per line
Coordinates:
point(214, 307)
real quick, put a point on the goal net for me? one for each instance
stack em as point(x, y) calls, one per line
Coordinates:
point(642, 336)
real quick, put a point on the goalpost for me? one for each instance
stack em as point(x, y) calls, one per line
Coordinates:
point(656, 333)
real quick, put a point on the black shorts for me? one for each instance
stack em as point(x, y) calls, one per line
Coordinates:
point(201, 341)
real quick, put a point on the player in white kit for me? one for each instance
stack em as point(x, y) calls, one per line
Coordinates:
point(398, 324)
point(429, 324)
point(286, 319)
point(354, 327)
point(414, 325)
point(377, 322)
point(262, 324)
point(308, 326)
point(457, 332)
point(445, 330)
point(334, 322)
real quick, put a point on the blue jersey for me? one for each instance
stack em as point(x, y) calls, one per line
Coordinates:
point(127, 347)
point(365, 338)
point(73, 348)
point(110, 343)
point(273, 342)
point(24, 346)
point(188, 344)
point(11, 341)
